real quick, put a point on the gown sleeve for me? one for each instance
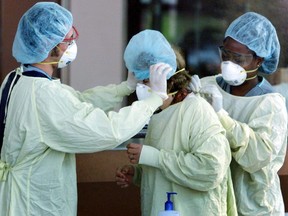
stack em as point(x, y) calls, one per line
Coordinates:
point(256, 143)
point(106, 98)
point(75, 123)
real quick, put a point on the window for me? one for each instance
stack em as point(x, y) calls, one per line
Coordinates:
point(198, 26)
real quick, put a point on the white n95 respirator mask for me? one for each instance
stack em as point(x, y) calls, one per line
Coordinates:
point(68, 56)
point(143, 91)
point(233, 73)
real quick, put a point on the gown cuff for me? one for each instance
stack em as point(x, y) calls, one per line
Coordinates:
point(149, 156)
point(123, 89)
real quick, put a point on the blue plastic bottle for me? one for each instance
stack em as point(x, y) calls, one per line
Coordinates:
point(169, 207)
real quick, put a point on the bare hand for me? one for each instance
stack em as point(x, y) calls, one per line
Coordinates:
point(134, 151)
point(124, 175)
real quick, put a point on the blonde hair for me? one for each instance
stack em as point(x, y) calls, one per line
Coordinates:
point(179, 57)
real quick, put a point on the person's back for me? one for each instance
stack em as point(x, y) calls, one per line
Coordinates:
point(194, 162)
point(185, 151)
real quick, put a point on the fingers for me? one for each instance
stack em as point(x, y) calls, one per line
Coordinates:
point(156, 67)
point(161, 68)
point(195, 84)
point(126, 170)
point(133, 148)
point(134, 158)
point(124, 175)
point(158, 79)
point(211, 90)
point(166, 70)
point(134, 151)
point(121, 182)
point(213, 95)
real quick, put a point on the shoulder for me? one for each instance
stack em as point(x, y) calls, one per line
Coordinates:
point(274, 99)
point(198, 105)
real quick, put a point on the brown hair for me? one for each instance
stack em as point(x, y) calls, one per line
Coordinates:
point(179, 81)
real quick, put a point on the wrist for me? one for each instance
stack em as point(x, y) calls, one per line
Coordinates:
point(131, 87)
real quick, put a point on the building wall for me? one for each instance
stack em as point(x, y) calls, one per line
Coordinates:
point(100, 46)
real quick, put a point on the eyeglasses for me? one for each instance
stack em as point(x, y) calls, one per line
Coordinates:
point(241, 59)
point(74, 37)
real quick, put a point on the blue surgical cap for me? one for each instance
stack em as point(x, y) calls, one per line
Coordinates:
point(146, 48)
point(259, 35)
point(39, 30)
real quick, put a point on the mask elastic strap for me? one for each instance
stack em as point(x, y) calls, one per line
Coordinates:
point(251, 71)
point(251, 77)
point(179, 71)
point(173, 93)
point(48, 63)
